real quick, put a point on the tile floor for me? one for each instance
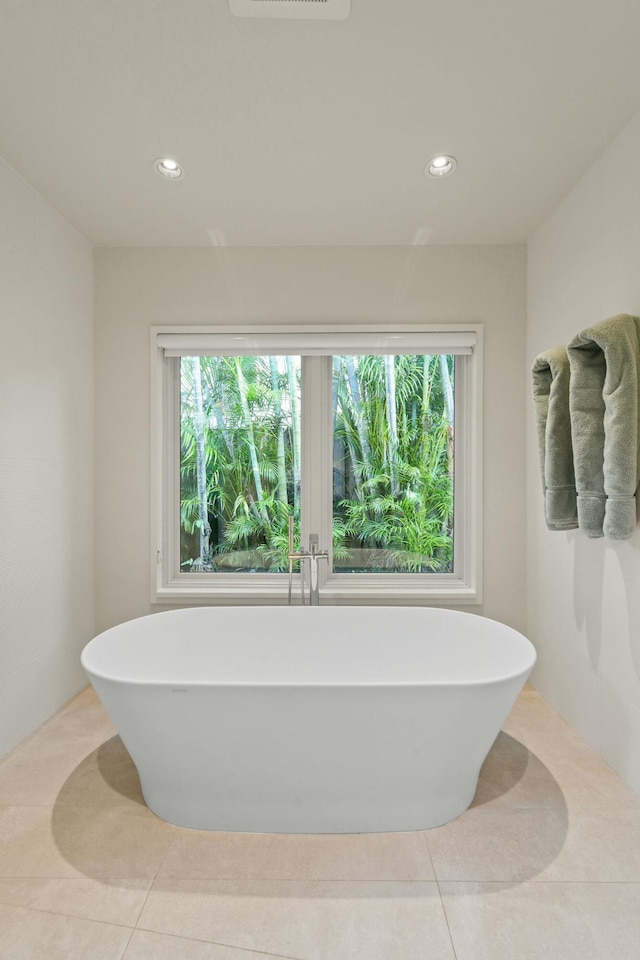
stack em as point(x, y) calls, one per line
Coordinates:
point(545, 864)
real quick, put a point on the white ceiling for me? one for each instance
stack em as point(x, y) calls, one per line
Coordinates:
point(308, 132)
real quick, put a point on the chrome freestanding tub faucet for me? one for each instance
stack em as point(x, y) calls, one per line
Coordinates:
point(313, 554)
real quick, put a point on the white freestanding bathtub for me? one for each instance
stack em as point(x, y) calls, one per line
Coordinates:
point(309, 719)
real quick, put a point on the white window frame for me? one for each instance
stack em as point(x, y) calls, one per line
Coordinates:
point(462, 586)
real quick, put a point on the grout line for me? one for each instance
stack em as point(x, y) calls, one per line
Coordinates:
point(307, 880)
point(153, 880)
point(431, 863)
point(278, 956)
point(219, 943)
point(510, 884)
point(106, 880)
point(111, 880)
point(237, 879)
point(144, 903)
point(60, 913)
point(126, 946)
point(446, 918)
point(133, 928)
point(149, 889)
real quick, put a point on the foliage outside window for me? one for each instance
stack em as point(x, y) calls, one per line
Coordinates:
point(239, 462)
point(393, 463)
point(393, 428)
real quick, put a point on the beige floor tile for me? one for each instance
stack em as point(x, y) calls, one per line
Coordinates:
point(585, 780)
point(116, 901)
point(307, 920)
point(85, 697)
point(158, 946)
point(509, 845)
point(105, 778)
point(27, 847)
point(542, 730)
point(34, 935)
point(37, 769)
point(532, 717)
point(42, 773)
point(65, 841)
point(35, 776)
point(544, 921)
point(514, 776)
point(84, 715)
point(243, 856)
point(582, 776)
point(489, 843)
point(81, 719)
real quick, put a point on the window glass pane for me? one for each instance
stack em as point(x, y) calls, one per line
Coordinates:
point(393, 464)
point(239, 462)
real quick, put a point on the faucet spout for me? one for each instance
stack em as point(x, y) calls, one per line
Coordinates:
point(313, 554)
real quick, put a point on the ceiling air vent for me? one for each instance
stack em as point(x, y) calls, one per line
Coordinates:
point(291, 9)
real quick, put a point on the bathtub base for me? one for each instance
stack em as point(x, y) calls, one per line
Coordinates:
point(310, 760)
point(363, 819)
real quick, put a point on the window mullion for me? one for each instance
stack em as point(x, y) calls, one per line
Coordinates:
point(316, 453)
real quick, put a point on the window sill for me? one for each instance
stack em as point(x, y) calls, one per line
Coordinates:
point(224, 594)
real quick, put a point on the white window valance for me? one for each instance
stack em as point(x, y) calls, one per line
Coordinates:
point(317, 344)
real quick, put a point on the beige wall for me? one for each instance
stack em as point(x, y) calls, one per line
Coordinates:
point(584, 595)
point(138, 288)
point(46, 458)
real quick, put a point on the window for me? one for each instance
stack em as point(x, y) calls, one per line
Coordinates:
point(370, 439)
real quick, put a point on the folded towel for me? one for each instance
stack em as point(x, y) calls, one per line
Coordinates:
point(603, 400)
point(550, 373)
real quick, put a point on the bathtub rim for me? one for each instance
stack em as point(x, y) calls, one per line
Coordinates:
point(528, 650)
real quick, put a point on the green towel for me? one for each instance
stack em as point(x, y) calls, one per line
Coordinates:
point(550, 374)
point(603, 400)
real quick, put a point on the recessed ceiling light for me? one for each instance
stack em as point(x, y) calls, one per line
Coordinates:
point(440, 166)
point(168, 168)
